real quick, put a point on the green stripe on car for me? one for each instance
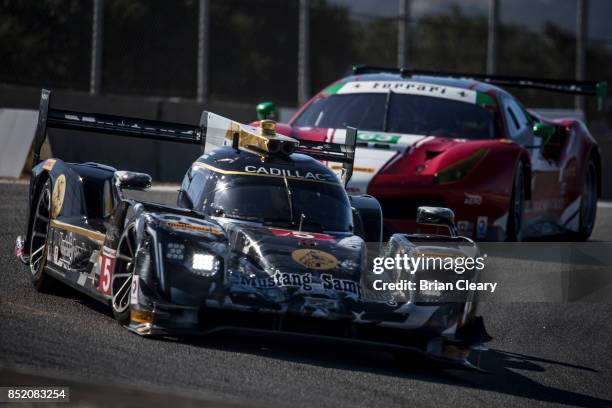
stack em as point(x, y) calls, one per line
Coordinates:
point(377, 138)
point(334, 88)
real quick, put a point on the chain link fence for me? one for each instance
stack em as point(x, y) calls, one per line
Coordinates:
point(150, 47)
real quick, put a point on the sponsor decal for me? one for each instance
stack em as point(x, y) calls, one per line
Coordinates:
point(274, 171)
point(69, 247)
point(314, 259)
point(340, 285)
point(279, 279)
point(107, 267)
point(301, 234)
point(356, 169)
point(481, 226)
point(377, 138)
point(134, 291)
point(49, 163)
point(409, 87)
point(472, 199)
point(19, 247)
point(192, 227)
point(303, 281)
point(57, 197)
point(66, 249)
point(465, 228)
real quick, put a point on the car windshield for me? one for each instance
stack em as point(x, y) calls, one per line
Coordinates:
point(400, 113)
point(282, 202)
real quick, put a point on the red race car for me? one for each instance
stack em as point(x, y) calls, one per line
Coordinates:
point(460, 141)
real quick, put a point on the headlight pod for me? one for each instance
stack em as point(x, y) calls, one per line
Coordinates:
point(175, 251)
point(204, 264)
point(196, 260)
point(460, 169)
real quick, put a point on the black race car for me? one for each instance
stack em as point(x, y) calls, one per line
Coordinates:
point(264, 237)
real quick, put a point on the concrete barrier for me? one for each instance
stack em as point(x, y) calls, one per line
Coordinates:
point(17, 128)
point(163, 161)
point(168, 161)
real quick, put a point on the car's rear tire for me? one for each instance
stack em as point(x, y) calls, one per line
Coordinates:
point(588, 201)
point(514, 228)
point(39, 232)
point(123, 274)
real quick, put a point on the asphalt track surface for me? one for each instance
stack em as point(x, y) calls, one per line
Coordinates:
point(542, 353)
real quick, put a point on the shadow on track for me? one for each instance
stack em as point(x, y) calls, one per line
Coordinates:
point(500, 366)
point(62, 290)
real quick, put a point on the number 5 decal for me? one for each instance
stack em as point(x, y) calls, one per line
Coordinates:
point(106, 271)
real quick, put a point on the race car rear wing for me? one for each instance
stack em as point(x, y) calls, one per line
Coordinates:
point(109, 124)
point(220, 131)
point(334, 152)
point(570, 86)
point(211, 132)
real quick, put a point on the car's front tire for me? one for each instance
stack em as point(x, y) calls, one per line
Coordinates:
point(123, 275)
point(588, 201)
point(514, 229)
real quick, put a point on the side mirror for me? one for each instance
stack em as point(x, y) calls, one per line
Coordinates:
point(266, 110)
point(131, 180)
point(357, 223)
point(437, 216)
point(544, 130)
point(367, 218)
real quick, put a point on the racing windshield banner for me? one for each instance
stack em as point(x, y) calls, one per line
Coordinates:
point(411, 88)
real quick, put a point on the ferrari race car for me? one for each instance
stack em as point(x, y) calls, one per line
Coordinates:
point(459, 141)
point(264, 237)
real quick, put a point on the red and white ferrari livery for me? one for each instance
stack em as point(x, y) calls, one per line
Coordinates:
point(460, 141)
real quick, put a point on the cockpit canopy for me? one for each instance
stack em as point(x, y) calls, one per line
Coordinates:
point(282, 193)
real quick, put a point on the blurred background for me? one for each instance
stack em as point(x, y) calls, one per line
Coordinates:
point(170, 59)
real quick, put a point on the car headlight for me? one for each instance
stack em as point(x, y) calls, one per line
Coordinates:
point(175, 251)
point(460, 169)
point(204, 264)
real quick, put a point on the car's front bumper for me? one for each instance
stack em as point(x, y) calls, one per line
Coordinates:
point(420, 334)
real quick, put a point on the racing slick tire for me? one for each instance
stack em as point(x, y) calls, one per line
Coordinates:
point(123, 274)
point(588, 201)
point(514, 228)
point(39, 231)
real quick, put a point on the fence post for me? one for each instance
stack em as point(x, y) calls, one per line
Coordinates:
point(581, 34)
point(403, 33)
point(97, 32)
point(304, 52)
point(203, 53)
point(492, 39)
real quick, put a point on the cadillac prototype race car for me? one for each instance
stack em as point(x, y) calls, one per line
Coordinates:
point(459, 141)
point(263, 237)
